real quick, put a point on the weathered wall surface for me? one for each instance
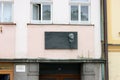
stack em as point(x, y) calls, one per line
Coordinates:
point(7, 41)
point(36, 42)
point(31, 71)
point(113, 38)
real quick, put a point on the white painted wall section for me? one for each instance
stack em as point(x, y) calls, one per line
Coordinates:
point(21, 18)
point(6, 0)
point(61, 11)
point(95, 19)
point(61, 15)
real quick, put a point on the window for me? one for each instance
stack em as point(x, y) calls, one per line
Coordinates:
point(41, 12)
point(5, 12)
point(80, 11)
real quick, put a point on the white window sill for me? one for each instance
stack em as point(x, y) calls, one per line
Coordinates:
point(41, 22)
point(80, 22)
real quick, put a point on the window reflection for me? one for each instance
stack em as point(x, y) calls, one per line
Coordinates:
point(7, 12)
point(74, 13)
point(4, 77)
point(84, 13)
point(46, 12)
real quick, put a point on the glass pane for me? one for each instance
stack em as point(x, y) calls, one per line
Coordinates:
point(0, 11)
point(7, 12)
point(4, 77)
point(81, 0)
point(46, 12)
point(74, 13)
point(35, 12)
point(84, 13)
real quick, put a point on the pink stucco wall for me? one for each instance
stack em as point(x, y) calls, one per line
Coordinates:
point(36, 44)
point(7, 41)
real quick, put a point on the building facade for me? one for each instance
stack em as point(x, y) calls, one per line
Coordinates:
point(113, 39)
point(51, 39)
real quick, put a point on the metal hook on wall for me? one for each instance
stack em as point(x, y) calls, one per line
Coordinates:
point(1, 29)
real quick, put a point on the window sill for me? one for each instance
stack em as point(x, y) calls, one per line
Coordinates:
point(39, 23)
point(7, 23)
point(62, 24)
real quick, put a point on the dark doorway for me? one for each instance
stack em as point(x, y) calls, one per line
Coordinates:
point(4, 77)
point(59, 71)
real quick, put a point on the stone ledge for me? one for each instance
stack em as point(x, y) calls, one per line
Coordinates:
point(7, 23)
point(55, 60)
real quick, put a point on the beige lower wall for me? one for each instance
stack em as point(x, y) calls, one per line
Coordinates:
point(114, 65)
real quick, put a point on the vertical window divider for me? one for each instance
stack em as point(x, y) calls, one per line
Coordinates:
point(51, 17)
point(41, 12)
point(31, 5)
point(79, 13)
point(70, 13)
point(89, 13)
point(38, 11)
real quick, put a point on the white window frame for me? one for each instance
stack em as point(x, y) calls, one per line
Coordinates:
point(1, 14)
point(41, 21)
point(74, 1)
point(38, 10)
point(79, 4)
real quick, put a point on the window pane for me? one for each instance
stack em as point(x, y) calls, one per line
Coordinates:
point(46, 12)
point(0, 12)
point(74, 13)
point(35, 12)
point(7, 12)
point(4, 76)
point(84, 13)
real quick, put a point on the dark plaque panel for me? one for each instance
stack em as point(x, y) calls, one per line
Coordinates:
point(60, 40)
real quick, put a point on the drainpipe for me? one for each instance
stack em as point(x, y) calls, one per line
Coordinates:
point(105, 40)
